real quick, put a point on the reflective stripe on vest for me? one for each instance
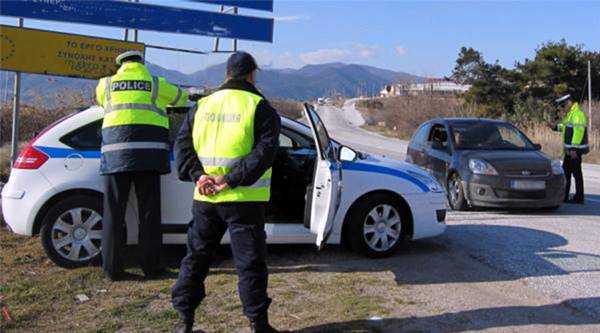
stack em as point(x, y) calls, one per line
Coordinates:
point(223, 134)
point(134, 145)
point(133, 113)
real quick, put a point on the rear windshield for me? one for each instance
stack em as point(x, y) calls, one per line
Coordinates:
point(489, 135)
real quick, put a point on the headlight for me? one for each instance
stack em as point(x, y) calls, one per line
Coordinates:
point(432, 184)
point(481, 167)
point(557, 168)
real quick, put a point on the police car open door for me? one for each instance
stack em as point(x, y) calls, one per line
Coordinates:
point(326, 181)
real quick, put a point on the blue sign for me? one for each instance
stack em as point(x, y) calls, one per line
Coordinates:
point(143, 17)
point(252, 4)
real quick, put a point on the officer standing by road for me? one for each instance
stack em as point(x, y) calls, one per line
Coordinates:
point(135, 150)
point(575, 140)
point(227, 147)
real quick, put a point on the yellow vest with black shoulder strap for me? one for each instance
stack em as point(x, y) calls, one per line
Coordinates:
point(135, 127)
point(223, 134)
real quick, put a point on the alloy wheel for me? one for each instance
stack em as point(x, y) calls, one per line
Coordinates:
point(382, 227)
point(77, 233)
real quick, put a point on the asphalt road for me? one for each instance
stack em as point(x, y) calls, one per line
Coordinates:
point(498, 269)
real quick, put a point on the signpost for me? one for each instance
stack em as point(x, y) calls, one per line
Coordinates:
point(143, 17)
point(46, 52)
point(53, 53)
point(252, 4)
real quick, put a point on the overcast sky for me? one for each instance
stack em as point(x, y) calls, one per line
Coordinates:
point(421, 37)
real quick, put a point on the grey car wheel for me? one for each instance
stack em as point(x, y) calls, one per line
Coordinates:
point(456, 193)
point(377, 226)
point(382, 227)
point(72, 231)
point(75, 234)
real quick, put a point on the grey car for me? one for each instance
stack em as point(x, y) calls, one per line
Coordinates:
point(487, 163)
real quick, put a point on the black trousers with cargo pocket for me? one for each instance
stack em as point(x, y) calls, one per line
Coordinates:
point(116, 195)
point(245, 222)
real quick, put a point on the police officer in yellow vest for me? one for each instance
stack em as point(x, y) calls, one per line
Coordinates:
point(135, 150)
point(575, 141)
point(227, 147)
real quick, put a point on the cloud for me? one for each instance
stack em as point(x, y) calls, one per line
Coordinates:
point(291, 18)
point(323, 55)
point(352, 53)
point(400, 50)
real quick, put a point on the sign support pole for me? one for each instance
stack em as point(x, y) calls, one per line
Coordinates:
point(14, 148)
point(590, 94)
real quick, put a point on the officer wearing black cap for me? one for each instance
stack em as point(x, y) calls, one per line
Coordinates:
point(135, 150)
point(227, 147)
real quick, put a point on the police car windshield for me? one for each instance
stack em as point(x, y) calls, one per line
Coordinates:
point(489, 136)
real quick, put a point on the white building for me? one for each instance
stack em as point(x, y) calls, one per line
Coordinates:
point(431, 85)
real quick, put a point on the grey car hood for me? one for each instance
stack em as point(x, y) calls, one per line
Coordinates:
point(511, 160)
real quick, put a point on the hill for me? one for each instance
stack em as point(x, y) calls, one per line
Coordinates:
point(308, 82)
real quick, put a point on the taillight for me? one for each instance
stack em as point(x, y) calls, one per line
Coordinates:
point(30, 158)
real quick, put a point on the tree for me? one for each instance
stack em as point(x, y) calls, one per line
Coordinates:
point(468, 67)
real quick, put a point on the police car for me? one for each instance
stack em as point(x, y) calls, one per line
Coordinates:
point(322, 192)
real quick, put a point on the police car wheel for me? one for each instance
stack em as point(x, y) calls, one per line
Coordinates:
point(377, 226)
point(71, 231)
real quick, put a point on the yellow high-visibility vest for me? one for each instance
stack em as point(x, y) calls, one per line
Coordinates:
point(134, 97)
point(223, 134)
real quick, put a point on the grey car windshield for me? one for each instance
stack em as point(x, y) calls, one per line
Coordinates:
point(489, 135)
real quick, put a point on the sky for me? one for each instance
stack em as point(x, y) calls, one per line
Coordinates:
point(418, 37)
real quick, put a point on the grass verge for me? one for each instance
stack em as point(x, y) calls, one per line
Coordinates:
point(43, 298)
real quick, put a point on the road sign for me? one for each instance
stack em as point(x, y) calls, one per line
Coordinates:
point(252, 4)
point(143, 17)
point(53, 53)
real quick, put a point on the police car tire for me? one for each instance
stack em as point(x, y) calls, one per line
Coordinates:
point(357, 218)
point(64, 205)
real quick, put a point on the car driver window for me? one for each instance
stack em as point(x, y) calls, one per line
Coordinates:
point(439, 134)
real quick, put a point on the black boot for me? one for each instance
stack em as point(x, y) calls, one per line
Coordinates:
point(183, 327)
point(261, 325)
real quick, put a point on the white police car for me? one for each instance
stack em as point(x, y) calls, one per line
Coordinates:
point(321, 192)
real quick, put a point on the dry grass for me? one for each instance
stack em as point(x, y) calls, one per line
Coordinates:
point(400, 116)
point(288, 108)
point(552, 144)
point(42, 297)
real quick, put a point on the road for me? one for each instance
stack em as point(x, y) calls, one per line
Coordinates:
point(497, 269)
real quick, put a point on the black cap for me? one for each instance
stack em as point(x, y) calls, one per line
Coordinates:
point(240, 64)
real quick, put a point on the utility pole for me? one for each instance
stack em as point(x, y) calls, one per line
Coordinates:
point(14, 148)
point(590, 94)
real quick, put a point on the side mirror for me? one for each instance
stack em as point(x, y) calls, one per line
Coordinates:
point(435, 144)
point(347, 154)
point(537, 146)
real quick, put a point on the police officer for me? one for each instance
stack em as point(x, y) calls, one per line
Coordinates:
point(227, 146)
point(135, 150)
point(575, 140)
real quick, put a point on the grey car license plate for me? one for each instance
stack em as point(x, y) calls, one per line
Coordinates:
point(528, 184)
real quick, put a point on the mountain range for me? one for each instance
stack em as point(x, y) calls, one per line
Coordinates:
point(308, 82)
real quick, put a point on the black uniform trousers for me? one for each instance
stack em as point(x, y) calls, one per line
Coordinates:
point(116, 195)
point(246, 224)
point(572, 167)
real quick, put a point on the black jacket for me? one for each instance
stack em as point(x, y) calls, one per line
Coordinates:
point(249, 169)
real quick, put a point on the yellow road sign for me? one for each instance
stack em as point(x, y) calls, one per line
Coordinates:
point(53, 53)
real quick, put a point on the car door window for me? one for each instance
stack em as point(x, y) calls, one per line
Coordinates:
point(88, 137)
point(439, 134)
